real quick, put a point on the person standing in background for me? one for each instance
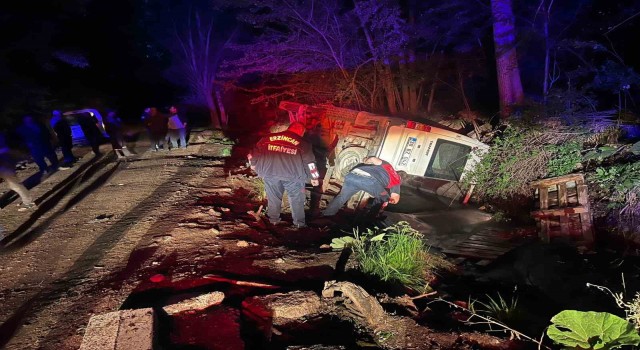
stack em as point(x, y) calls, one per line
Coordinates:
point(157, 125)
point(113, 127)
point(8, 174)
point(65, 140)
point(89, 125)
point(177, 129)
point(38, 140)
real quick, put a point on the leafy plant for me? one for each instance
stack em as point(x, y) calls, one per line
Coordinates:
point(500, 309)
point(618, 180)
point(225, 152)
point(501, 216)
point(396, 253)
point(600, 153)
point(564, 158)
point(591, 330)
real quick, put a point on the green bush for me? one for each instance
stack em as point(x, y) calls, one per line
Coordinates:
point(524, 153)
point(395, 254)
point(564, 158)
point(618, 181)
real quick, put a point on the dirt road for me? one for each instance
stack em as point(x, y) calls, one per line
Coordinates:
point(104, 228)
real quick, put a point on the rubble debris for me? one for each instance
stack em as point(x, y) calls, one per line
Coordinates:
point(198, 303)
point(284, 308)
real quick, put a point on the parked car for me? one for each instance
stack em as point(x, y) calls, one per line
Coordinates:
point(76, 131)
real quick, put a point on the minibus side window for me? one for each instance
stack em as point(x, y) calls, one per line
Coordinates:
point(448, 160)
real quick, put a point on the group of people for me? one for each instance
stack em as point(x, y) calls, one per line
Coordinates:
point(40, 140)
point(285, 161)
point(163, 129)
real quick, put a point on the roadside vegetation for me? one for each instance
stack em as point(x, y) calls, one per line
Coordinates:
point(393, 254)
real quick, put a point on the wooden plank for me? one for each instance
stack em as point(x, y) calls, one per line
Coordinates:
point(583, 197)
point(559, 211)
point(488, 245)
point(482, 248)
point(587, 227)
point(489, 238)
point(544, 230)
point(564, 225)
point(556, 180)
point(497, 244)
point(492, 235)
point(467, 253)
point(544, 197)
point(474, 250)
point(562, 194)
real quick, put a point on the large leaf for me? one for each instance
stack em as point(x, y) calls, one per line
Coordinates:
point(342, 242)
point(592, 330)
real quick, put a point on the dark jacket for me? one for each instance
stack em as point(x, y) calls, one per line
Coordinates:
point(284, 155)
point(385, 174)
point(6, 160)
point(63, 131)
point(35, 136)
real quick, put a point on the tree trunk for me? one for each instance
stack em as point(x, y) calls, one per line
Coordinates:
point(463, 94)
point(404, 80)
point(504, 37)
point(213, 113)
point(389, 89)
point(224, 118)
point(432, 91)
point(545, 84)
point(413, 86)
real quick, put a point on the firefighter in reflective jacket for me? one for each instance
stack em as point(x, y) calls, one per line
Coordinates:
point(285, 161)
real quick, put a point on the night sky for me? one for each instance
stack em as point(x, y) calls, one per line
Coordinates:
point(65, 54)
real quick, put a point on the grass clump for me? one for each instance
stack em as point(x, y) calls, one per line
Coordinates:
point(393, 254)
point(498, 308)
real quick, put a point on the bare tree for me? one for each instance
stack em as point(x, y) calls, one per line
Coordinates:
point(201, 56)
point(504, 37)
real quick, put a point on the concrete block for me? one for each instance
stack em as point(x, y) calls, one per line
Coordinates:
point(120, 330)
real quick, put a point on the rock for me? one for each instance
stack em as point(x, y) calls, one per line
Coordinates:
point(198, 303)
point(357, 300)
point(120, 330)
point(284, 308)
point(101, 218)
point(242, 244)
